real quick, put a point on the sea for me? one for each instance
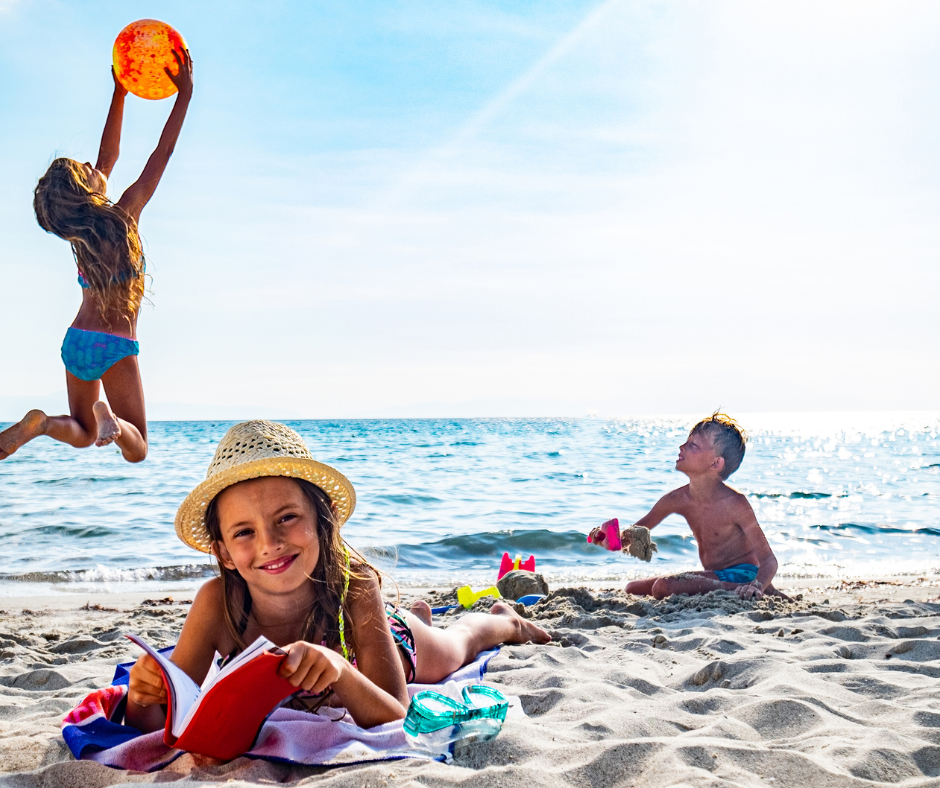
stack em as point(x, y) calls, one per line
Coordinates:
point(441, 500)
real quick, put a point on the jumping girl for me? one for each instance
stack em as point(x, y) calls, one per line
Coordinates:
point(271, 516)
point(101, 345)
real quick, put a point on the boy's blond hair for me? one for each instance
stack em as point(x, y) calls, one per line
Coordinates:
point(728, 437)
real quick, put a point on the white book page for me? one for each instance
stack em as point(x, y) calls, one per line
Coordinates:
point(247, 655)
point(213, 676)
point(213, 671)
point(184, 691)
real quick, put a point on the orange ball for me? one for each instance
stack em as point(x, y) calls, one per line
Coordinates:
point(141, 51)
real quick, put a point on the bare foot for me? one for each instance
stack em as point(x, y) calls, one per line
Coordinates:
point(32, 425)
point(109, 429)
point(527, 631)
point(422, 611)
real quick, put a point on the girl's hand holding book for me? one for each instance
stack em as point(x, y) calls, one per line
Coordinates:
point(312, 668)
point(146, 687)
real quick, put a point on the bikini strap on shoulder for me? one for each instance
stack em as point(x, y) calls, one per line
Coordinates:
point(341, 618)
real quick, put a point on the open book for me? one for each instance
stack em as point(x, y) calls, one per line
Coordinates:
point(222, 718)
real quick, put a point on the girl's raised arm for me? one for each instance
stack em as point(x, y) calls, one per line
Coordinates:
point(110, 147)
point(138, 194)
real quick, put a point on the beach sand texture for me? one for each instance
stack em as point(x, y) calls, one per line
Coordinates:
point(707, 691)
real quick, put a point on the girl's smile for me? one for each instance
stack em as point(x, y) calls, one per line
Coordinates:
point(269, 533)
point(278, 565)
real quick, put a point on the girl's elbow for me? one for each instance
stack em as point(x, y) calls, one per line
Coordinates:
point(396, 712)
point(373, 720)
point(146, 719)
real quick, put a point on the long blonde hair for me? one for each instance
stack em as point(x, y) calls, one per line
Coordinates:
point(329, 577)
point(104, 237)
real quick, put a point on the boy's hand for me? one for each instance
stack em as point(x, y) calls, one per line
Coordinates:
point(608, 535)
point(119, 89)
point(597, 536)
point(183, 78)
point(146, 687)
point(312, 668)
point(753, 590)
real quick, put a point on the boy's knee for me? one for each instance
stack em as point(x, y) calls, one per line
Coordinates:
point(662, 588)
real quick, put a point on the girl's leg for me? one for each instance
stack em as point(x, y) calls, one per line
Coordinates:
point(125, 422)
point(77, 429)
point(32, 425)
point(442, 651)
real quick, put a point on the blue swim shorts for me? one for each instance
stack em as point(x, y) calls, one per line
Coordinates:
point(739, 573)
point(89, 354)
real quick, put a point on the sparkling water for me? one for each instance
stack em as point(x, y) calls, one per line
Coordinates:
point(440, 500)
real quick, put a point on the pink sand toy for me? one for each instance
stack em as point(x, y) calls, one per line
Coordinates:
point(508, 564)
point(610, 535)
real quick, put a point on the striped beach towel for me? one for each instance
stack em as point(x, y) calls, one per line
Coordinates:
point(94, 730)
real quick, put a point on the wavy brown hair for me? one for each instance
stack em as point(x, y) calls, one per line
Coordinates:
point(322, 624)
point(104, 237)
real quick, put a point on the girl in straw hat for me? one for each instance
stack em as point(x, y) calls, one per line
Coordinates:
point(271, 516)
point(101, 344)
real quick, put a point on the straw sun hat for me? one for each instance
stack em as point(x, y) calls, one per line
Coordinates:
point(251, 450)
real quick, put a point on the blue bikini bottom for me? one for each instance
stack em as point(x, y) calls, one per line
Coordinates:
point(739, 573)
point(89, 354)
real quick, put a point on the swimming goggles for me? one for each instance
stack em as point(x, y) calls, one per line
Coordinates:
point(481, 715)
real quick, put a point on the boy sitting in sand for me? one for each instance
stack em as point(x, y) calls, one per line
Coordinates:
point(731, 545)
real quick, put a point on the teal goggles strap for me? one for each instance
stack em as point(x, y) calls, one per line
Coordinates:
point(431, 711)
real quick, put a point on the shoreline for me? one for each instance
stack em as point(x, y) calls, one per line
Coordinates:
point(885, 588)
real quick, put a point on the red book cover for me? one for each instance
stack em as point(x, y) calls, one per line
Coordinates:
point(231, 712)
point(223, 718)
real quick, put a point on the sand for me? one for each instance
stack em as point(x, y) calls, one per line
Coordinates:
point(838, 688)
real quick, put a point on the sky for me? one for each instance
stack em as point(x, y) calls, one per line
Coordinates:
point(499, 208)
